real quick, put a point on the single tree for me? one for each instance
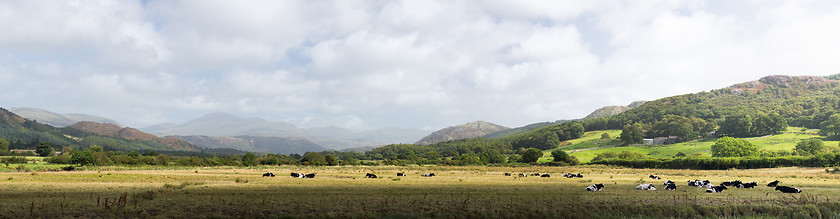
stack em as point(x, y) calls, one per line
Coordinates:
point(733, 147)
point(313, 158)
point(605, 136)
point(831, 126)
point(331, 160)
point(44, 150)
point(809, 146)
point(4, 146)
point(632, 134)
point(531, 155)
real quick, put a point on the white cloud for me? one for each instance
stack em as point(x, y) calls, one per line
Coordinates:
point(371, 64)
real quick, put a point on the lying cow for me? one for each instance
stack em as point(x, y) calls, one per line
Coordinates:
point(716, 189)
point(269, 174)
point(750, 185)
point(785, 189)
point(535, 174)
point(645, 187)
point(297, 175)
point(522, 175)
point(400, 174)
point(370, 175)
point(654, 177)
point(507, 174)
point(595, 187)
point(311, 175)
point(545, 175)
point(731, 183)
point(670, 185)
point(429, 175)
point(773, 184)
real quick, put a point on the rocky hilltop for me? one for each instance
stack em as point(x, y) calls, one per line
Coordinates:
point(613, 110)
point(464, 131)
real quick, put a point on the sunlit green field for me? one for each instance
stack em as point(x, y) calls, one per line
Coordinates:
point(784, 141)
point(455, 192)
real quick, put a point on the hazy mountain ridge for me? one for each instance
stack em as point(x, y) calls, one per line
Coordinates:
point(613, 110)
point(57, 119)
point(463, 131)
point(267, 144)
point(131, 134)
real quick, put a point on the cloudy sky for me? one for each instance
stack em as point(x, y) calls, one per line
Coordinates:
point(413, 64)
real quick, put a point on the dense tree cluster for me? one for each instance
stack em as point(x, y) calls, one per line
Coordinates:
point(733, 147)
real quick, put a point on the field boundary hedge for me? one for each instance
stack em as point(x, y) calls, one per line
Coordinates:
point(823, 160)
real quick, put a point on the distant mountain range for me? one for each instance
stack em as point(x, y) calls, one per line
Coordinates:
point(226, 125)
point(56, 119)
point(463, 131)
point(275, 145)
point(26, 133)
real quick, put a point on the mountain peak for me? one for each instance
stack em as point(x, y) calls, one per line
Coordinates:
point(463, 131)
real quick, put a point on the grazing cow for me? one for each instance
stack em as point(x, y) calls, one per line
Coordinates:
point(595, 187)
point(429, 175)
point(311, 175)
point(785, 189)
point(269, 174)
point(400, 174)
point(716, 189)
point(645, 187)
point(773, 184)
point(297, 175)
point(545, 175)
point(507, 174)
point(370, 175)
point(747, 185)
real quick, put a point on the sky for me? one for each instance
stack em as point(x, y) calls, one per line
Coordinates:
point(412, 64)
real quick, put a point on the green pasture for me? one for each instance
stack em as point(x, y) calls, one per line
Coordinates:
point(456, 192)
point(784, 141)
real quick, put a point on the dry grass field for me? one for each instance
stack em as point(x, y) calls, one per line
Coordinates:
point(456, 192)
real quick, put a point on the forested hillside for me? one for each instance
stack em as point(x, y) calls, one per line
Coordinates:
point(754, 108)
point(24, 133)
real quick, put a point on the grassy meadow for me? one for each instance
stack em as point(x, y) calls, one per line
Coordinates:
point(592, 139)
point(456, 192)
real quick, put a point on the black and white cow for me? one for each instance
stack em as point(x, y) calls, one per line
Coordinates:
point(507, 174)
point(579, 176)
point(269, 174)
point(400, 174)
point(785, 189)
point(735, 183)
point(429, 175)
point(671, 187)
point(595, 187)
point(370, 175)
point(773, 184)
point(535, 174)
point(668, 182)
point(749, 185)
point(311, 175)
point(645, 187)
point(654, 177)
point(545, 175)
point(297, 175)
point(716, 189)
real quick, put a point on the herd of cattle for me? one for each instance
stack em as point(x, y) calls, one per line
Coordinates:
point(706, 184)
point(668, 184)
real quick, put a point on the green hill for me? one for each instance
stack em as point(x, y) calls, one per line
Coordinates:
point(26, 134)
